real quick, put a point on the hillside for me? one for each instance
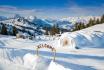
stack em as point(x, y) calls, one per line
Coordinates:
point(21, 53)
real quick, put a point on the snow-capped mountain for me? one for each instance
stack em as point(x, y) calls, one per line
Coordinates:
point(23, 25)
point(34, 25)
point(65, 24)
point(62, 24)
point(83, 19)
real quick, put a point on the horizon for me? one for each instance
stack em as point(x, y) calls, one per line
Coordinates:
point(52, 9)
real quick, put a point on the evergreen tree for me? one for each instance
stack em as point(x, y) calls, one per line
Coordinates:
point(57, 29)
point(15, 31)
point(4, 30)
point(91, 22)
point(76, 26)
point(46, 31)
point(102, 19)
point(97, 21)
point(94, 21)
point(80, 25)
point(54, 30)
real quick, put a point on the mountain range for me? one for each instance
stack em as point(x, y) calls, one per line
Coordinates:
point(34, 25)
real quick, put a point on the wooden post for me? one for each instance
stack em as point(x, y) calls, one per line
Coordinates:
point(54, 55)
point(37, 53)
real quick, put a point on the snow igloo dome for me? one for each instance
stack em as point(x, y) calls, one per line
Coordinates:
point(67, 41)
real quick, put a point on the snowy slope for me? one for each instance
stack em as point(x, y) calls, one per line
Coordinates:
point(13, 51)
point(89, 37)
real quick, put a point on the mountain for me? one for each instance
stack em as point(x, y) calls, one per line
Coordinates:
point(83, 19)
point(33, 25)
point(23, 25)
point(65, 24)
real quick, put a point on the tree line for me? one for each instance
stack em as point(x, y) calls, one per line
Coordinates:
point(91, 22)
point(77, 26)
point(5, 31)
point(53, 30)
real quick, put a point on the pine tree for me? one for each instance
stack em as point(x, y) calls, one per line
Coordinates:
point(57, 29)
point(54, 30)
point(94, 21)
point(102, 18)
point(97, 21)
point(82, 26)
point(91, 22)
point(4, 30)
point(15, 31)
point(76, 26)
point(46, 31)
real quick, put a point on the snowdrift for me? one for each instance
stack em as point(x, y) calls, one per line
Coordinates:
point(88, 37)
point(40, 63)
point(36, 62)
point(22, 59)
point(55, 66)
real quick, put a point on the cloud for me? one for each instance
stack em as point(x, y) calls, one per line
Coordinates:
point(6, 7)
point(11, 10)
point(73, 10)
point(94, 11)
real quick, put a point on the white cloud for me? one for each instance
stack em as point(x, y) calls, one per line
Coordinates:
point(53, 12)
point(7, 7)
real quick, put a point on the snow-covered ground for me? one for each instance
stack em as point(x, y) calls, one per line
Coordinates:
point(20, 54)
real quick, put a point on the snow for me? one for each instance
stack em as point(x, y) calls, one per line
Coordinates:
point(20, 54)
point(83, 19)
point(41, 63)
point(55, 66)
point(89, 37)
point(35, 62)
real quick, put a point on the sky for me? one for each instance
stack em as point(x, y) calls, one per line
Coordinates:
point(52, 8)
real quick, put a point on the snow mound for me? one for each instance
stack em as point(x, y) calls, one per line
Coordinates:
point(55, 66)
point(89, 39)
point(35, 62)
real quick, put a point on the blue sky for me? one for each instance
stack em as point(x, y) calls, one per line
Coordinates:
point(52, 8)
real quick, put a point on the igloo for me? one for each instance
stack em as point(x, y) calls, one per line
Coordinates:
point(67, 41)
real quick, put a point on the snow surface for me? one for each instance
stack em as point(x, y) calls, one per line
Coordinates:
point(40, 63)
point(35, 62)
point(55, 66)
point(20, 54)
